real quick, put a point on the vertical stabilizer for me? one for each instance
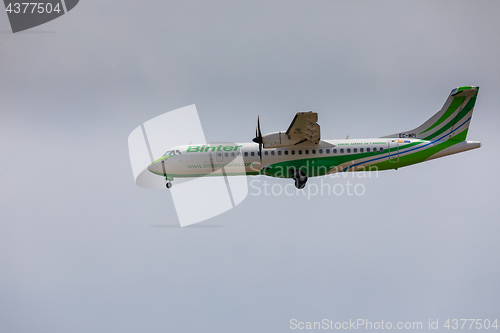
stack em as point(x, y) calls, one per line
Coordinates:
point(451, 122)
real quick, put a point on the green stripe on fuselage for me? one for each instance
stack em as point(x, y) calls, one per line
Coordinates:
point(209, 174)
point(161, 158)
point(416, 157)
point(320, 166)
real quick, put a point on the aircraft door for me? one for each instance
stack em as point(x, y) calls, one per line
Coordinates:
point(393, 151)
point(219, 156)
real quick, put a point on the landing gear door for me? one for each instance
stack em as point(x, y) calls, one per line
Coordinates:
point(393, 151)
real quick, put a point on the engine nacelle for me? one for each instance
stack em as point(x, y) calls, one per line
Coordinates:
point(277, 139)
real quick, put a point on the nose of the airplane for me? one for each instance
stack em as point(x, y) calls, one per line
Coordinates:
point(156, 168)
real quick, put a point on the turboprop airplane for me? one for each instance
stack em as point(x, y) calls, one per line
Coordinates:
point(299, 152)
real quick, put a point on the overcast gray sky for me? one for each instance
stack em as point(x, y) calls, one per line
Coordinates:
point(83, 249)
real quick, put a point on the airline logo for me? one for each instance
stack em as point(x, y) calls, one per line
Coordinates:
point(195, 149)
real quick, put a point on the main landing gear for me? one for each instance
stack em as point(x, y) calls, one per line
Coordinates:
point(300, 178)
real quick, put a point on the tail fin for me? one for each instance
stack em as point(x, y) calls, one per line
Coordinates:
point(451, 122)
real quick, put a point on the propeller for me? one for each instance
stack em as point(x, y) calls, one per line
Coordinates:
point(258, 138)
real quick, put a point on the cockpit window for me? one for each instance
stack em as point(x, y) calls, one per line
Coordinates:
point(172, 153)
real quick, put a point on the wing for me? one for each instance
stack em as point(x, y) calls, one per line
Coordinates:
point(304, 127)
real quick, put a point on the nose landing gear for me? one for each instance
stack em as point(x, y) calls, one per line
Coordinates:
point(168, 181)
point(167, 178)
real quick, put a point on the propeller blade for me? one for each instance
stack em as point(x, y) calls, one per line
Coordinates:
point(260, 138)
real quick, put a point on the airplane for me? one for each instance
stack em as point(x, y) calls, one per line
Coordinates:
point(299, 153)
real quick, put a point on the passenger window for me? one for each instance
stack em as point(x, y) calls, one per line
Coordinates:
point(286, 152)
point(232, 155)
point(252, 153)
point(266, 153)
point(300, 152)
point(321, 151)
point(246, 153)
point(272, 153)
point(279, 152)
point(258, 153)
point(361, 150)
point(328, 151)
point(293, 152)
point(334, 151)
point(307, 151)
point(355, 150)
point(342, 150)
point(314, 151)
point(381, 149)
point(368, 150)
point(348, 150)
point(226, 154)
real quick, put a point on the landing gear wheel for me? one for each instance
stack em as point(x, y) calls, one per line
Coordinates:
point(300, 185)
point(300, 179)
point(169, 185)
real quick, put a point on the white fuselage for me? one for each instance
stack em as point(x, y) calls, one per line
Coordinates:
point(243, 158)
